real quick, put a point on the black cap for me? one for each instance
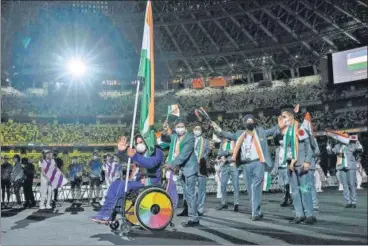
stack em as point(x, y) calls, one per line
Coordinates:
point(95, 153)
point(75, 157)
point(289, 109)
point(248, 116)
point(179, 121)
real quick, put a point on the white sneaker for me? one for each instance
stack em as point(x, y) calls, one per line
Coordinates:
point(48, 206)
point(42, 207)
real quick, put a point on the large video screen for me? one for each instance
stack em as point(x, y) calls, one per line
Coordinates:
point(349, 65)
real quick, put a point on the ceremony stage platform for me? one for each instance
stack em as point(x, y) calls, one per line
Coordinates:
point(67, 226)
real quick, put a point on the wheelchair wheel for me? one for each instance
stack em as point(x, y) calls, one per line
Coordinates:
point(130, 213)
point(154, 209)
point(114, 225)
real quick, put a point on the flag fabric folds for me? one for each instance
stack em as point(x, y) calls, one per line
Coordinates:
point(147, 74)
point(267, 181)
point(53, 174)
point(173, 110)
point(339, 136)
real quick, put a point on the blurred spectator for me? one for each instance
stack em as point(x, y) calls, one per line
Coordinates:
point(6, 170)
point(29, 173)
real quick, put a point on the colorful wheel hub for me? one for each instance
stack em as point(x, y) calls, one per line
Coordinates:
point(154, 209)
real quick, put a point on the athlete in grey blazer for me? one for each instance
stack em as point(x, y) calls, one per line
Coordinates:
point(346, 165)
point(251, 153)
point(184, 158)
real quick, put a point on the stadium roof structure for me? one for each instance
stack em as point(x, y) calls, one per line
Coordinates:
point(226, 37)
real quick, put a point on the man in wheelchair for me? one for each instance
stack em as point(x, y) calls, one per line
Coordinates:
point(149, 174)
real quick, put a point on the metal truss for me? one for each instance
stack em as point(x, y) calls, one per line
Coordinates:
point(225, 37)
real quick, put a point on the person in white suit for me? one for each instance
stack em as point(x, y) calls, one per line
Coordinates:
point(45, 186)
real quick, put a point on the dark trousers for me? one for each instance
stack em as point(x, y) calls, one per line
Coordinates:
point(28, 192)
point(5, 187)
point(17, 186)
point(56, 192)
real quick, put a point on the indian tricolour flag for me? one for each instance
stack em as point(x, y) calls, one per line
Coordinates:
point(147, 74)
point(357, 60)
point(267, 181)
point(339, 136)
point(173, 110)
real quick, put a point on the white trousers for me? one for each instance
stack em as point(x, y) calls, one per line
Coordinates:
point(359, 179)
point(45, 192)
point(218, 180)
point(318, 182)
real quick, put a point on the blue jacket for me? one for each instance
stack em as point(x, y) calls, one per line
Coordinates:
point(152, 164)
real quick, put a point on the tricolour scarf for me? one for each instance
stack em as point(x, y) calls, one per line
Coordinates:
point(175, 148)
point(199, 148)
point(255, 142)
point(342, 160)
point(227, 145)
point(291, 141)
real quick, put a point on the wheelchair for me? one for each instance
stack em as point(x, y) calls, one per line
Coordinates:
point(150, 208)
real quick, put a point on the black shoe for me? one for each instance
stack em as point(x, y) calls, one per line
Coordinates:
point(236, 208)
point(222, 207)
point(33, 204)
point(284, 204)
point(257, 217)
point(348, 206)
point(297, 220)
point(190, 224)
point(184, 213)
point(353, 205)
point(25, 205)
point(200, 214)
point(310, 220)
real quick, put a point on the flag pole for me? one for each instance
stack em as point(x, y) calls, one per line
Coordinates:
point(132, 135)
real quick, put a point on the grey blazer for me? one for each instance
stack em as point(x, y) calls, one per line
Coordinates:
point(262, 134)
point(187, 159)
point(349, 154)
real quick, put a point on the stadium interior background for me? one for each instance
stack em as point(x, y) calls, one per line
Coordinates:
point(230, 57)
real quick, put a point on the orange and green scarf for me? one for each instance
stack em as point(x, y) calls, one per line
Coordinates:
point(199, 148)
point(255, 142)
point(342, 160)
point(175, 148)
point(291, 141)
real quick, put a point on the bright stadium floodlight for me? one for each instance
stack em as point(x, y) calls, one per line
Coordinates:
point(76, 67)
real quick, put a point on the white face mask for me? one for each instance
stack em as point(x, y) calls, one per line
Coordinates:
point(287, 122)
point(180, 130)
point(74, 161)
point(281, 142)
point(197, 133)
point(95, 157)
point(141, 148)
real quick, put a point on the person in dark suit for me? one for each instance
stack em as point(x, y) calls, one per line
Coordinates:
point(182, 156)
point(29, 173)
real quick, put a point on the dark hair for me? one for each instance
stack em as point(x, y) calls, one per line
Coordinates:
point(17, 156)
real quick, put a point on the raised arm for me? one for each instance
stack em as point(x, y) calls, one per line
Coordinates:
point(185, 153)
point(148, 162)
point(356, 147)
point(308, 151)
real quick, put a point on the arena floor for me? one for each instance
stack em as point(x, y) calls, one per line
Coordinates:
point(336, 225)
